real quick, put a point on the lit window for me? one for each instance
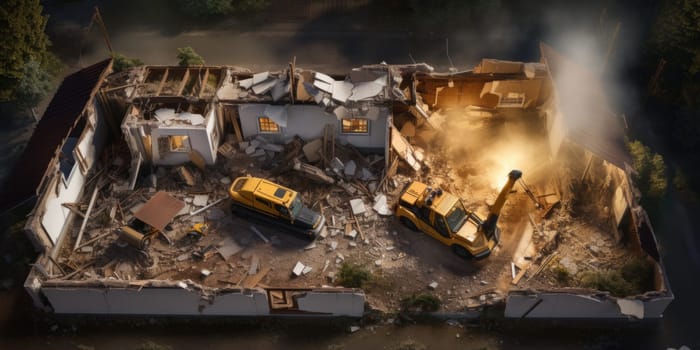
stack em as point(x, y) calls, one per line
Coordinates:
point(174, 143)
point(267, 125)
point(355, 126)
point(179, 143)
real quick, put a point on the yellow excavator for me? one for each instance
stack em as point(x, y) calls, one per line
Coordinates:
point(443, 216)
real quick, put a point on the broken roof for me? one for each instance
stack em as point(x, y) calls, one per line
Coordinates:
point(586, 114)
point(58, 120)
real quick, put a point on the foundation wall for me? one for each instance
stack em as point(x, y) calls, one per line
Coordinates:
point(175, 301)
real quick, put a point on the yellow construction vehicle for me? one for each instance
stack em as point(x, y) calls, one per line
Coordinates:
point(256, 198)
point(443, 216)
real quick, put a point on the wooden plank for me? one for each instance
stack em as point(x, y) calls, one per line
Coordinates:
point(203, 83)
point(87, 215)
point(234, 122)
point(183, 83)
point(253, 281)
point(520, 275)
point(198, 160)
point(162, 81)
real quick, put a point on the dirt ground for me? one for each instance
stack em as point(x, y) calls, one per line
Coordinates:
point(402, 263)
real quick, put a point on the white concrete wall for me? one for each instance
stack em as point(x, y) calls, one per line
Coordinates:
point(308, 122)
point(566, 305)
point(179, 301)
point(91, 144)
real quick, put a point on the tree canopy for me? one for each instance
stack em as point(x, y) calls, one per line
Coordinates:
point(23, 40)
point(187, 57)
point(205, 8)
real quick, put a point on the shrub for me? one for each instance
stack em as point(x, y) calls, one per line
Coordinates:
point(635, 277)
point(352, 276)
point(421, 302)
point(187, 57)
point(561, 274)
point(122, 62)
point(650, 168)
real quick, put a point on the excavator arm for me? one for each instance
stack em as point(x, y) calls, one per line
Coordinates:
point(489, 225)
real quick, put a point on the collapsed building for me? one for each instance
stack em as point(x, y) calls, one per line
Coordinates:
point(174, 138)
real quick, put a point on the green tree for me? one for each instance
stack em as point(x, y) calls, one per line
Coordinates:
point(188, 57)
point(650, 169)
point(676, 33)
point(206, 8)
point(122, 62)
point(22, 39)
point(34, 85)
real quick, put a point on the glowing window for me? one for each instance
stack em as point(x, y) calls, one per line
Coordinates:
point(266, 124)
point(355, 126)
point(179, 143)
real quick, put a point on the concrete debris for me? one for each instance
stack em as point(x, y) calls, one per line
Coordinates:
point(310, 246)
point(352, 244)
point(200, 200)
point(306, 270)
point(381, 206)
point(353, 329)
point(205, 273)
point(331, 277)
point(311, 150)
point(352, 234)
point(337, 165)
point(298, 269)
point(313, 173)
point(378, 262)
point(228, 248)
point(483, 283)
point(333, 245)
point(254, 265)
point(350, 169)
point(243, 145)
point(433, 285)
point(225, 180)
point(358, 206)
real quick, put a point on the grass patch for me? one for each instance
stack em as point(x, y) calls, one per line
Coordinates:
point(353, 276)
point(421, 303)
point(561, 274)
point(635, 277)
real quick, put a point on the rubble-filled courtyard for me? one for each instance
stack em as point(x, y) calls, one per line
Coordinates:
point(145, 221)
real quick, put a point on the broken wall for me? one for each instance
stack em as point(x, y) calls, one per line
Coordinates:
point(66, 185)
point(171, 301)
point(308, 122)
point(578, 305)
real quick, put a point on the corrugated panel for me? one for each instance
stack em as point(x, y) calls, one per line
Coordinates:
point(55, 125)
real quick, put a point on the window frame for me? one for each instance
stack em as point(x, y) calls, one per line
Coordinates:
point(268, 121)
point(350, 132)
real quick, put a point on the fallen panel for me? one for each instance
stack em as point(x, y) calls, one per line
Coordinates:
point(160, 210)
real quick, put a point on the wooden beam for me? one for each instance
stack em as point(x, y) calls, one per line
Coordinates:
point(162, 81)
point(87, 216)
point(203, 83)
point(183, 82)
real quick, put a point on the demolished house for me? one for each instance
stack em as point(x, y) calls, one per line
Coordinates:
point(349, 144)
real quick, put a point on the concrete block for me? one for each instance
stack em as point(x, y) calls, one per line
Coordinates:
point(298, 269)
point(358, 206)
point(433, 285)
point(350, 169)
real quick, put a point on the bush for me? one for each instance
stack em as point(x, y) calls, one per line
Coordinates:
point(209, 8)
point(122, 62)
point(187, 57)
point(651, 170)
point(635, 277)
point(352, 276)
point(421, 303)
point(561, 274)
